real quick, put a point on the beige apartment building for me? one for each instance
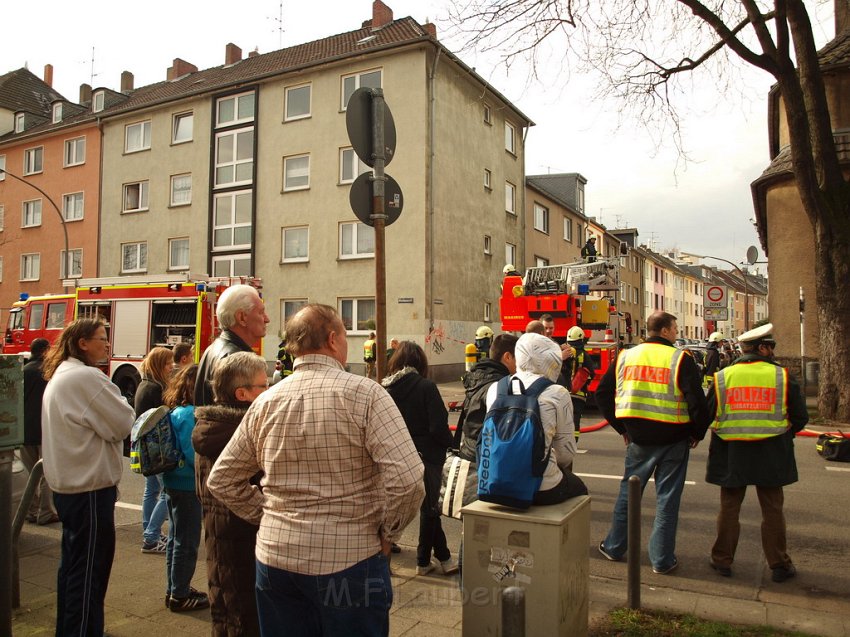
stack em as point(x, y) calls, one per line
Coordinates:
point(555, 223)
point(245, 169)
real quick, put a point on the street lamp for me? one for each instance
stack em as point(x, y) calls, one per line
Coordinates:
point(58, 212)
point(746, 287)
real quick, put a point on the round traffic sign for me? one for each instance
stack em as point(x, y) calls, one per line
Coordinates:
point(714, 294)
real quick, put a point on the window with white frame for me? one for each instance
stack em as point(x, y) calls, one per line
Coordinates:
point(134, 257)
point(580, 196)
point(350, 166)
point(540, 262)
point(31, 213)
point(288, 309)
point(296, 173)
point(73, 206)
point(71, 264)
point(510, 198)
point(2, 217)
point(33, 160)
point(488, 244)
point(19, 123)
point(232, 265)
point(178, 253)
point(297, 102)
point(235, 109)
point(135, 197)
point(488, 115)
point(510, 253)
point(181, 189)
point(1, 268)
point(295, 243)
point(232, 220)
point(75, 151)
point(57, 113)
point(541, 218)
point(182, 128)
point(487, 312)
point(356, 240)
point(350, 83)
point(358, 315)
point(568, 229)
point(3, 166)
point(234, 157)
point(30, 267)
point(488, 179)
point(98, 101)
point(635, 296)
point(510, 138)
point(137, 137)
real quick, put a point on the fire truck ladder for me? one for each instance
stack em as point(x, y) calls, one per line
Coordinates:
point(600, 275)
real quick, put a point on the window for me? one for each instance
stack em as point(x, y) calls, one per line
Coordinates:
point(182, 129)
point(134, 257)
point(295, 244)
point(297, 102)
point(232, 265)
point(3, 167)
point(135, 197)
point(178, 254)
point(235, 109)
point(97, 101)
point(1, 268)
point(510, 198)
point(2, 217)
point(19, 123)
point(137, 137)
point(31, 213)
point(510, 253)
point(181, 189)
point(57, 113)
point(488, 116)
point(55, 316)
point(487, 312)
point(541, 218)
point(289, 308)
point(350, 83)
point(75, 151)
point(510, 138)
point(33, 160)
point(488, 244)
point(296, 173)
point(30, 267)
point(487, 179)
point(358, 315)
point(568, 229)
point(234, 157)
point(540, 262)
point(72, 206)
point(71, 264)
point(356, 241)
point(232, 221)
point(350, 166)
point(635, 297)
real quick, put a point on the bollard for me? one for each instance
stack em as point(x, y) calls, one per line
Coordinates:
point(513, 612)
point(634, 542)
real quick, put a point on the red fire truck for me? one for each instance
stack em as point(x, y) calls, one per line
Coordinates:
point(35, 317)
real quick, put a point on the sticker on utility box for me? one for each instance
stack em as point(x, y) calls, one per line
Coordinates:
point(504, 562)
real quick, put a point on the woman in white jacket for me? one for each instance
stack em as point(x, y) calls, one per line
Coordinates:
point(85, 420)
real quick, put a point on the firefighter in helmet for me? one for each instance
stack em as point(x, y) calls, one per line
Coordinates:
point(483, 340)
point(578, 371)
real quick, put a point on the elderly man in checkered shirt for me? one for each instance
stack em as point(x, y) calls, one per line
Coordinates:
point(342, 480)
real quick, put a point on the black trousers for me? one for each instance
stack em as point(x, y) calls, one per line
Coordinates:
point(432, 538)
point(88, 548)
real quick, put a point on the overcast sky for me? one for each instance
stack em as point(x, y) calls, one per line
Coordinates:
point(703, 206)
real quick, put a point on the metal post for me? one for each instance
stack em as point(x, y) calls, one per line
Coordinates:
point(30, 492)
point(6, 459)
point(802, 340)
point(379, 218)
point(634, 542)
point(513, 612)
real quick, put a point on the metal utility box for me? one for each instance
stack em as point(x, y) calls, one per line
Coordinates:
point(543, 550)
point(11, 401)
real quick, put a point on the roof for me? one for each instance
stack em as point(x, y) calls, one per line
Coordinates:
point(22, 90)
point(836, 51)
point(560, 187)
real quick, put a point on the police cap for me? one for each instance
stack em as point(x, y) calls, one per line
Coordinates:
point(759, 335)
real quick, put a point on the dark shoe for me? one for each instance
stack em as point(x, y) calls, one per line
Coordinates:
point(782, 573)
point(395, 548)
point(32, 518)
point(195, 601)
point(608, 555)
point(725, 571)
point(669, 569)
point(53, 519)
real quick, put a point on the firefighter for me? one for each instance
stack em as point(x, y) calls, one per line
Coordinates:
point(483, 340)
point(712, 359)
point(370, 347)
point(578, 370)
point(588, 251)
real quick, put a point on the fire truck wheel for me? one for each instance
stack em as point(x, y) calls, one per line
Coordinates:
point(127, 378)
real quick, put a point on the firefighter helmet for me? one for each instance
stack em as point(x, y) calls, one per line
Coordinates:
point(483, 332)
point(508, 268)
point(575, 334)
point(715, 337)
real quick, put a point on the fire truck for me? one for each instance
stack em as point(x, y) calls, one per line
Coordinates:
point(579, 293)
point(34, 317)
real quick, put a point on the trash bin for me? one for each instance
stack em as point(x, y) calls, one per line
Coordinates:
point(542, 550)
point(812, 372)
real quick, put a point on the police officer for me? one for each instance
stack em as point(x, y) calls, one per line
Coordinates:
point(370, 348)
point(759, 408)
point(579, 370)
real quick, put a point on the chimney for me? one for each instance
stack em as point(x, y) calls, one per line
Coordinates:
point(254, 53)
point(85, 94)
point(232, 54)
point(127, 82)
point(48, 75)
point(842, 16)
point(430, 29)
point(381, 14)
point(179, 68)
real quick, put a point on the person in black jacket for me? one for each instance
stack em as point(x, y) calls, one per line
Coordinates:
point(427, 420)
point(41, 509)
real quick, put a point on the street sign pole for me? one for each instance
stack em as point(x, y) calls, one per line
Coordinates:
point(379, 220)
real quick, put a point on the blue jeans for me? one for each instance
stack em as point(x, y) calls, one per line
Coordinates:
point(354, 602)
point(669, 463)
point(154, 509)
point(184, 536)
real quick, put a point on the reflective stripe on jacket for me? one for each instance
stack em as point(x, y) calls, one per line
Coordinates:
point(646, 384)
point(369, 350)
point(752, 401)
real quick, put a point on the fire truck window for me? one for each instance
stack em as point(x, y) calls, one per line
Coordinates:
point(36, 314)
point(55, 316)
point(16, 320)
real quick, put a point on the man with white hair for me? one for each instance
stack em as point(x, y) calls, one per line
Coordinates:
point(243, 319)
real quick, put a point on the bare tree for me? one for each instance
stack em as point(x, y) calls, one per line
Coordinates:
point(644, 49)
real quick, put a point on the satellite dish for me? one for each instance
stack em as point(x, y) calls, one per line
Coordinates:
point(752, 254)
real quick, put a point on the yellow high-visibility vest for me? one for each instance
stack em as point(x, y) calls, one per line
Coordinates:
point(646, 384)
point(369, 350)
point(752, 401)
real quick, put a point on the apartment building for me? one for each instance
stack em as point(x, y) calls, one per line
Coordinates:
point(555, 221)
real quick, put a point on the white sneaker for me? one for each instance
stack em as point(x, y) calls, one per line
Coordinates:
point(424, 570)
point(449, 566)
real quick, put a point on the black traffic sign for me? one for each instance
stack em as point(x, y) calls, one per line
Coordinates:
point(358, 122)
point(361, 199)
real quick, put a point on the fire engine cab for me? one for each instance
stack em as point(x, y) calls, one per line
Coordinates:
point(35, 317)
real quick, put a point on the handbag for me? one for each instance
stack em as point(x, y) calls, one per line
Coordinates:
point(459, 485)
point(834, 446)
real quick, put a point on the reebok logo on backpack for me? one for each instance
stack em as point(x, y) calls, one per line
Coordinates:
point(153, 443)
point(512, 454)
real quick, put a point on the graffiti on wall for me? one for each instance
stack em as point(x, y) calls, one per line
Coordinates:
point(448, 335)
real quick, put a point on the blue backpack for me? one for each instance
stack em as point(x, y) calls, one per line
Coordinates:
point(512, 453)
point(154, 447)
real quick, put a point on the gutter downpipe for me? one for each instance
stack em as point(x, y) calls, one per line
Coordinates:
point(431, 159)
